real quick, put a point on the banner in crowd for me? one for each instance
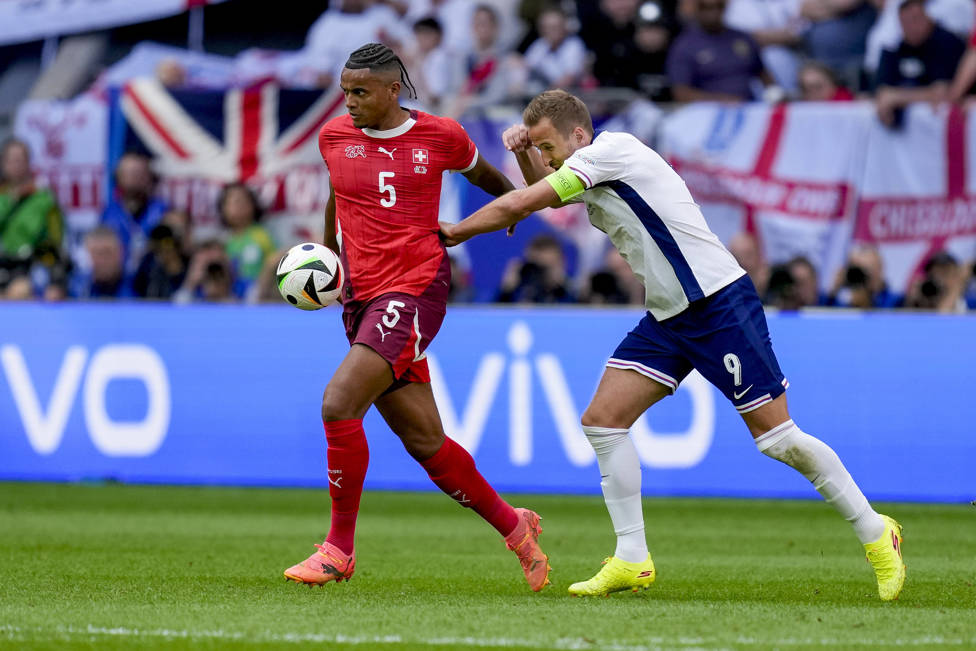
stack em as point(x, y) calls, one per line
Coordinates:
point(262, 135)
point(787, 173)
point(918, 194)
point(810, 178)
point(806, 178)
point(231, 395)
point(68, 140)
point(29, 20)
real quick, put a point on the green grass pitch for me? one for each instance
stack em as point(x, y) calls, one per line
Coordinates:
point(120, 567)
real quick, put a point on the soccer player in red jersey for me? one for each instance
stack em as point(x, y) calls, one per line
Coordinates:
point(385, 164)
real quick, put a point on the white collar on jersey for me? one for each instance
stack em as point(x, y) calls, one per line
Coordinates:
point(390, 133)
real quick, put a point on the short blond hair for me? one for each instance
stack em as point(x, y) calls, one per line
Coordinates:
point(564, 110)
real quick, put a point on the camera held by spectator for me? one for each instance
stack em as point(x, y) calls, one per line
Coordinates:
point(540, 277)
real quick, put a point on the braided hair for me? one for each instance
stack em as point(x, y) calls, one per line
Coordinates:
point(376, 56)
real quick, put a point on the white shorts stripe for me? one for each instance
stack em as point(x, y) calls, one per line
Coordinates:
point(417, 356)
point(657, 376)
point(753, 405)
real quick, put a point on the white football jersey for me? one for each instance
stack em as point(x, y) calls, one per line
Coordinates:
point(641, 203)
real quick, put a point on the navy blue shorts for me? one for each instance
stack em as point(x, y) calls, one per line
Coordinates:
point(723, 336)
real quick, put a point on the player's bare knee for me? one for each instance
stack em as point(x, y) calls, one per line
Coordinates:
point(596, 417)
point(338, 405)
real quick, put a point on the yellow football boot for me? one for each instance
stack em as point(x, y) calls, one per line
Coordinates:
point(616, 575)
point(884, 554)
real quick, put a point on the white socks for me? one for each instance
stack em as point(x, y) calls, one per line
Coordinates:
point(621, 483)
point(817, 462)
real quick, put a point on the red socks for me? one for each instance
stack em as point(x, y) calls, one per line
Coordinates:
point(348, 457)
point(453, 470)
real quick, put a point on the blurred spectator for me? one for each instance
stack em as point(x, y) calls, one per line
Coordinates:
point(652, 36)
point(106, 276)
point(793, 285)
point(455, 17)
point(491, 74)
point(819, 84)
point(837, 34)
point(249, 243)
point(528, 13)
point(133, 211)
point(969, 287)
point(746, 251)
point(922, 66)
point(180, 222)
point(209, 277)
point(31, 225)
point(777, 27)
point(806, 283)
point(861, 282)
point(781, 291)
point(19, 288)
point(171, 73)
point(957, 16)
point(711, 62)
point(461, 290)
point(962, 83)
point(557, 59)
point(435, 70)
point(163, 268)
point(608, 30)
point(614, 284)
point(344, 28)
point(941, 285)
point(540, 277)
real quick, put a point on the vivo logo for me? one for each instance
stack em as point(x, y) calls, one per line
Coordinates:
point(656, 449)
point(45, 425)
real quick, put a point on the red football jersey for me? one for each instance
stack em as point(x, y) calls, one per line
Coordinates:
point(387, 188)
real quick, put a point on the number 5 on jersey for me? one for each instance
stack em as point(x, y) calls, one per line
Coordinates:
point(390, 201)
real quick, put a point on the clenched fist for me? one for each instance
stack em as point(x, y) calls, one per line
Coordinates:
point(516, 138)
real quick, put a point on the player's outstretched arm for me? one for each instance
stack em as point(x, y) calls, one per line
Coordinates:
point(487, 177)
point(503, 212)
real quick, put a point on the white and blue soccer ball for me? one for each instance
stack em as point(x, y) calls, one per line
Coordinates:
point(310, 276)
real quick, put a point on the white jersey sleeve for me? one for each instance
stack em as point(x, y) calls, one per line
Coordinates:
point(596, 163)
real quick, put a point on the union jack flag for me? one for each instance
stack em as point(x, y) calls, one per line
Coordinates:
point(201, 140)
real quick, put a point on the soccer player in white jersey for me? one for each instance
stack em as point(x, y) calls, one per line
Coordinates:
point(703, 313)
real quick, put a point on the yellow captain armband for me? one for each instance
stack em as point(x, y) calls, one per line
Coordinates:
point(566, 184)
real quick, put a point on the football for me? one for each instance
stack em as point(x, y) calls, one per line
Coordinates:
point(310, 276)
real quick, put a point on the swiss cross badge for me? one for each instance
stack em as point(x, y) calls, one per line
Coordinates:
point(420, 156)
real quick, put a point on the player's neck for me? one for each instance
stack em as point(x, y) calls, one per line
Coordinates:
point(392, 120)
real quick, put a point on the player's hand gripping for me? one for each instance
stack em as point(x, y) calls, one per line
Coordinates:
point(447, 235)
point(516, 138)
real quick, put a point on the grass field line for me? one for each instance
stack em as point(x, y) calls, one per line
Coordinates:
point(654, 643)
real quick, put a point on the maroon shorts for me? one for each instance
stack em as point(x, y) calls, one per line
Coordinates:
point(400, 326)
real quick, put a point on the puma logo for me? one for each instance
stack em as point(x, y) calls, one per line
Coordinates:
point(335, 482)
point(384, 151)
point(744, 392)
point(382, 334)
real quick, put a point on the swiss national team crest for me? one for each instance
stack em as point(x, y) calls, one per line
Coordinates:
point(420, 156)
point(352, 151)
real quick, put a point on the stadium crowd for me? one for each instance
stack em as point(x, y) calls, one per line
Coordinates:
point(467, 57)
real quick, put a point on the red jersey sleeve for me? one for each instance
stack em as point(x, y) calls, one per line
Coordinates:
point(463, 151)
